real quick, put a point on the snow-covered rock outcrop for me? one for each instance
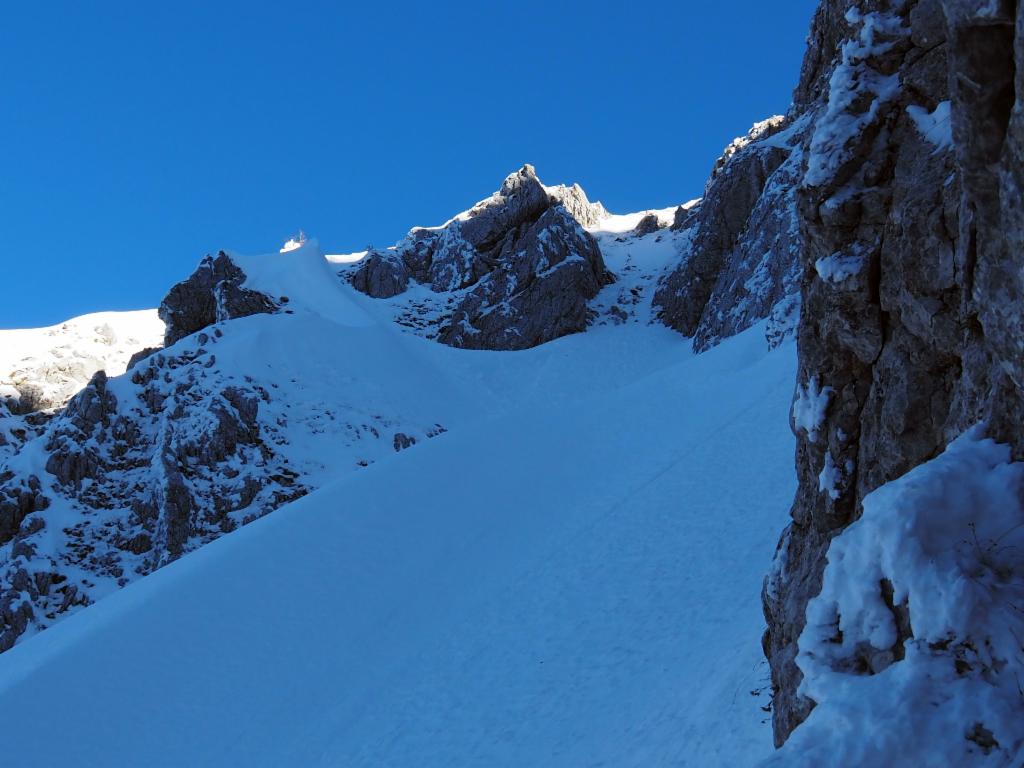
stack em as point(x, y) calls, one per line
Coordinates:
point(211, 294)
point(742, 264)
point(41, 368)
point(516, 270)
point(912, 649)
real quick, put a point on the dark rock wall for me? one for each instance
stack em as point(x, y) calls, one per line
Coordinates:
point(911, 214)
point(539, 292)
point(211, 294)
point(743, 258)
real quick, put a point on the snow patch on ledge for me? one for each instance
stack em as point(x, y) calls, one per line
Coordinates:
point(838, 267)
point(935, 125)
point(810, 406)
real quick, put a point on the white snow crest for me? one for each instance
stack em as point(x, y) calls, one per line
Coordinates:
point(810, 406)
point(942, 686)
point(294, 243)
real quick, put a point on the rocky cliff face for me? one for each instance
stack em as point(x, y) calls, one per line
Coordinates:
point(742, 265)
point(517, 269)
point(911, 327)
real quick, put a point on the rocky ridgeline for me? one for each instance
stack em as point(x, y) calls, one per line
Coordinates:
point(517, 269)
point(521, 268)
point(911, 328)
point(135, 471)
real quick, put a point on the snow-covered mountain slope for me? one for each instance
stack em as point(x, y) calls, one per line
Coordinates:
point(207, 434)
point(43, 367)
point(252, 401)
point(569, 576)
point(551, 556)
point(242, 413)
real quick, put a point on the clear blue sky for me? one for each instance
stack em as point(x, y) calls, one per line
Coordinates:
point(137, 136)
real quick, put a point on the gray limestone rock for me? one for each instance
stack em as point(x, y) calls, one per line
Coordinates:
point(540, 291)
point(522, 198)
point(212, 294)
point(139, 356)
point(731, 236)
point(19, 498)
point(760, 275)
point(575, 201)
point(381, 275)
point(648, 225)
point(912, 271)
point(519, 266)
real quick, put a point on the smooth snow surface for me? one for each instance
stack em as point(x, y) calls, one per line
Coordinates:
point(302, 278)
point(569, 577)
